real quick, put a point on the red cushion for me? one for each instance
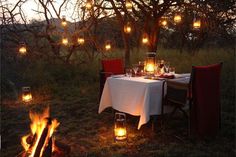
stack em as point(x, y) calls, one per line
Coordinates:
point(114, 66)
point(205, 112)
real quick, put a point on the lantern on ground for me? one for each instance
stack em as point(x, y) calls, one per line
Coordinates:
point(128, 5)
point(26, 94)
point(150, 63)
point(127, 28)
point(22, 48)
point(107, 45)
point(145, 39)
point(64, 41)
point(80, 40)
point(88, 4)
point(196, 24)
point(120, 132)
point(177, 18)
point(63, 21)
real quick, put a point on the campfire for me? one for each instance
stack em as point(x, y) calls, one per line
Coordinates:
point(41, 142)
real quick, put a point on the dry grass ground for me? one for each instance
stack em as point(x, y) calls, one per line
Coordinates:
point(90, 134)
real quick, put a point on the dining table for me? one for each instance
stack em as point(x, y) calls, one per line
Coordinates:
point(137, 96)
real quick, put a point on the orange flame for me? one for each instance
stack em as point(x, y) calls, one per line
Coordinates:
point(38, 123)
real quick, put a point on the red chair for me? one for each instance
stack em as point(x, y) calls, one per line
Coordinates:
point(205, 100)
point(110, 67)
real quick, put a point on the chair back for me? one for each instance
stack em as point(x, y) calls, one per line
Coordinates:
point(205, 108)
point(114, 66)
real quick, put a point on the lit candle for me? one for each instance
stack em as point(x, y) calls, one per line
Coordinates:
point(196, 24)
point(64, 41)
point(63, 21)
point(128, 5)
point(88, 4)
point(120, 133)
point(164, 23)
point(80, 40)
point(177, 18)
point(127, 28)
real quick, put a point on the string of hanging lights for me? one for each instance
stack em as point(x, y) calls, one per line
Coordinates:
point(127, 28)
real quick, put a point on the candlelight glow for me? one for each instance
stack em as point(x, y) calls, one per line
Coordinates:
point(63, 21)
point(150, 67)
point(108, 45)
point(88, 4)
point(145, 39)
point(128, 5)
point(196, 24)
point(177, 18)
point(120, 133)
point(80, 40)
point(64, 41)
point(22, 48)
point(27, 97)
point(127, 28)
point(26, 94)
point(164, 23)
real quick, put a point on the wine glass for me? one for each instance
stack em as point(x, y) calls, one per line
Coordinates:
point(135, 69)
point(167, 67)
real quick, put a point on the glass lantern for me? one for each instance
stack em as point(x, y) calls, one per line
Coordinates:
point(177, 18)
point(89, 4)
point(150, 64)
point(26, 94)
point(196, 24)
point(127, 28)
point(107, 45)
point(22, 48)
point(120, 132)
point(63, 21)
point(128, 5)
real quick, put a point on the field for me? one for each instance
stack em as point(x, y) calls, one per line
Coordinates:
point(72, 94)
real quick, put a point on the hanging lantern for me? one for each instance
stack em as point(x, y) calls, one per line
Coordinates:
point(127, 28)
point(63, 21)
point(22, 48)
point(120, 132)
point(108, 45)
point(145, 39)
point(64, 41)
point(177, 18)
point(128, 5)
point(164, 22)
point(150, 63)
point(80, 40)
point(26, 94)
point(196, 24)
point(88, 4)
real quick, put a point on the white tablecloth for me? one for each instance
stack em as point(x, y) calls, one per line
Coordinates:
point(134, 95)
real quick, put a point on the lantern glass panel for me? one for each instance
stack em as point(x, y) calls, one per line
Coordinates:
point(120, 131)
point(26, 94)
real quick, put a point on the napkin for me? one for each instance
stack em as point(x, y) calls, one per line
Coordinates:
point(168, 76)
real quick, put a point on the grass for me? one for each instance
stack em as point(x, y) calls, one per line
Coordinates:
point(74, 102)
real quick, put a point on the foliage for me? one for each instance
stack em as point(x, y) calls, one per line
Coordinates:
point(74, 102)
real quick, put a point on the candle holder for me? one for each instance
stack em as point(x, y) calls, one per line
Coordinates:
point(26, 94)
point(150, 64)
point(120, 132)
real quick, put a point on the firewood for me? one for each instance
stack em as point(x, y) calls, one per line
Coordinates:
point(42, 139)
point(48, 149)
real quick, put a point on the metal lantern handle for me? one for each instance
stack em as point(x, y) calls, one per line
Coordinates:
point(119, 115)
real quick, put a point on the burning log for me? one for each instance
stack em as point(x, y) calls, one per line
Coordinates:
point(43, 139)
point(40, 143)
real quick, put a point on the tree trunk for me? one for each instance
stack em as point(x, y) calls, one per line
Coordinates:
point(126, 41)
point(153, 39)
